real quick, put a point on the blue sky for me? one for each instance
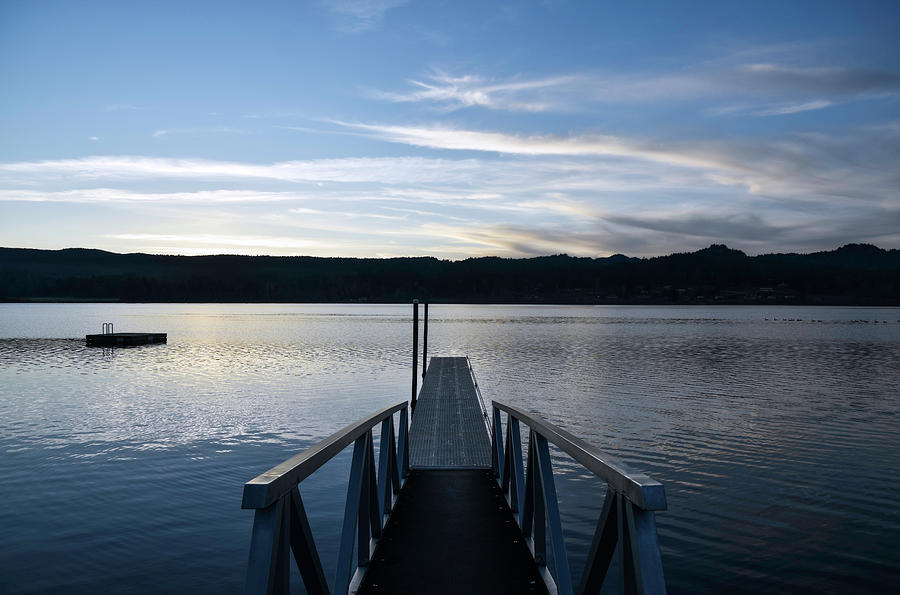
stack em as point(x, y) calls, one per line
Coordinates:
point(452, 129)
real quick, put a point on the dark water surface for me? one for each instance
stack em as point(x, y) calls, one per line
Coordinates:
point(775, 431)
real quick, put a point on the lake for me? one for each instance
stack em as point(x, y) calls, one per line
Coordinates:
point(775, 431)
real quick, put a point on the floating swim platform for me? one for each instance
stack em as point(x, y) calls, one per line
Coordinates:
point(124, 339)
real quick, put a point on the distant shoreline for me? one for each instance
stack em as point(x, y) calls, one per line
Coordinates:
point(825, 302)
point(853, 275)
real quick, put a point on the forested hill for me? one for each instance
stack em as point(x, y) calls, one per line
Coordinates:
point(853, 274)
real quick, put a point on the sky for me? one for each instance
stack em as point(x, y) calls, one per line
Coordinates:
point(381, 128)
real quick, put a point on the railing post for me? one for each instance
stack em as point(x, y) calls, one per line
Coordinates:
point(265, 548)
point(626, 561)
point(415, 351)
point(554, 522)
point(518, 476)
point(539, 528)
point(304, 547)
point(403, 447)
point(603, 546)
point(386, 462)
point(283, 560)
point(528, 507)
point(497, 445)
point(425, 342)
point(351, 514)
point(364, 516)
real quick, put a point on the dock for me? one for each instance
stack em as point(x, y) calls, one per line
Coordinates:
point(449, 429)
point(108, 338)
point(451, 508)
point(451, 505)
point(124, 339)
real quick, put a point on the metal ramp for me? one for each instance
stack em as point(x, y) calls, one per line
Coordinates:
point(453, 504)
point(449, 429)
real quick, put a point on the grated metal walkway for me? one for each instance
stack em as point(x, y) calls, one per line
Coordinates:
point(448, 429)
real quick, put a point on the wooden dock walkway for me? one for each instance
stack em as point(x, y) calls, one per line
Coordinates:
point(451, 505)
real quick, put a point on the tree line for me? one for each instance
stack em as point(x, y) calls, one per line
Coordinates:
point(852, 274)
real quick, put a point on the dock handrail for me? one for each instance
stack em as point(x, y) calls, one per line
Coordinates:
point(484, 411)
point(280, 524)
point(627, 523)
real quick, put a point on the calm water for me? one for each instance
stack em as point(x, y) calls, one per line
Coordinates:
point(777, 439)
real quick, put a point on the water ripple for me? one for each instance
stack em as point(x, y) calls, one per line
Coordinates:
point(773, 431)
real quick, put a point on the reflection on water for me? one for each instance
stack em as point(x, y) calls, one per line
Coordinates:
point(774, 431)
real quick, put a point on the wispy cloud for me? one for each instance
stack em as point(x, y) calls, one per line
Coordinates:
point(755, 83)
point(348, 214)
point(273, 114)
point(794, 108)
point(122, 107)
point(810, 164)
point(114, 195)
point(453, 92)
point(166, 132)
point(498, 193)
point(221, 241)
point(360, 15)
point(836, 80)
point(594, 145)
point(388, 170)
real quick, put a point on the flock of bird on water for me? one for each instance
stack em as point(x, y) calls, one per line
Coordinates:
point(859, 321)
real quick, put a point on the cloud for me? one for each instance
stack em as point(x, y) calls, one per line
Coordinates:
point(229, 241)
point(564, 92)
point(274, 114)
point(515, 240)
point(94, 138)
point(716, 81)
point(121, 107)
point(514, 195)
point(113, 195)
point(832, 80)
point(737, 226)
point(362, 15)
point(472, 90)
point(794, 108)
point(807, 164)
point(347, 214)
point(388, 170)
point(163, 133)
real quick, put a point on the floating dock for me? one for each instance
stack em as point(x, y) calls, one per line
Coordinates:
point(452, 506)
point(449, 429)
point(123, 339)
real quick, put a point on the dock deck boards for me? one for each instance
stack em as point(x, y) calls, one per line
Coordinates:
point(448, 428)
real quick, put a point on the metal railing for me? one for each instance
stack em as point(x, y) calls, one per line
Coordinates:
point(627, 525)
point(484, 411)
point(281, 525)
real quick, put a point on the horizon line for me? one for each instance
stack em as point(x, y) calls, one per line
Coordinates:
point(410, 257)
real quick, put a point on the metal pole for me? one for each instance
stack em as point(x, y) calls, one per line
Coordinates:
point(415, 367)
point(425, 342)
